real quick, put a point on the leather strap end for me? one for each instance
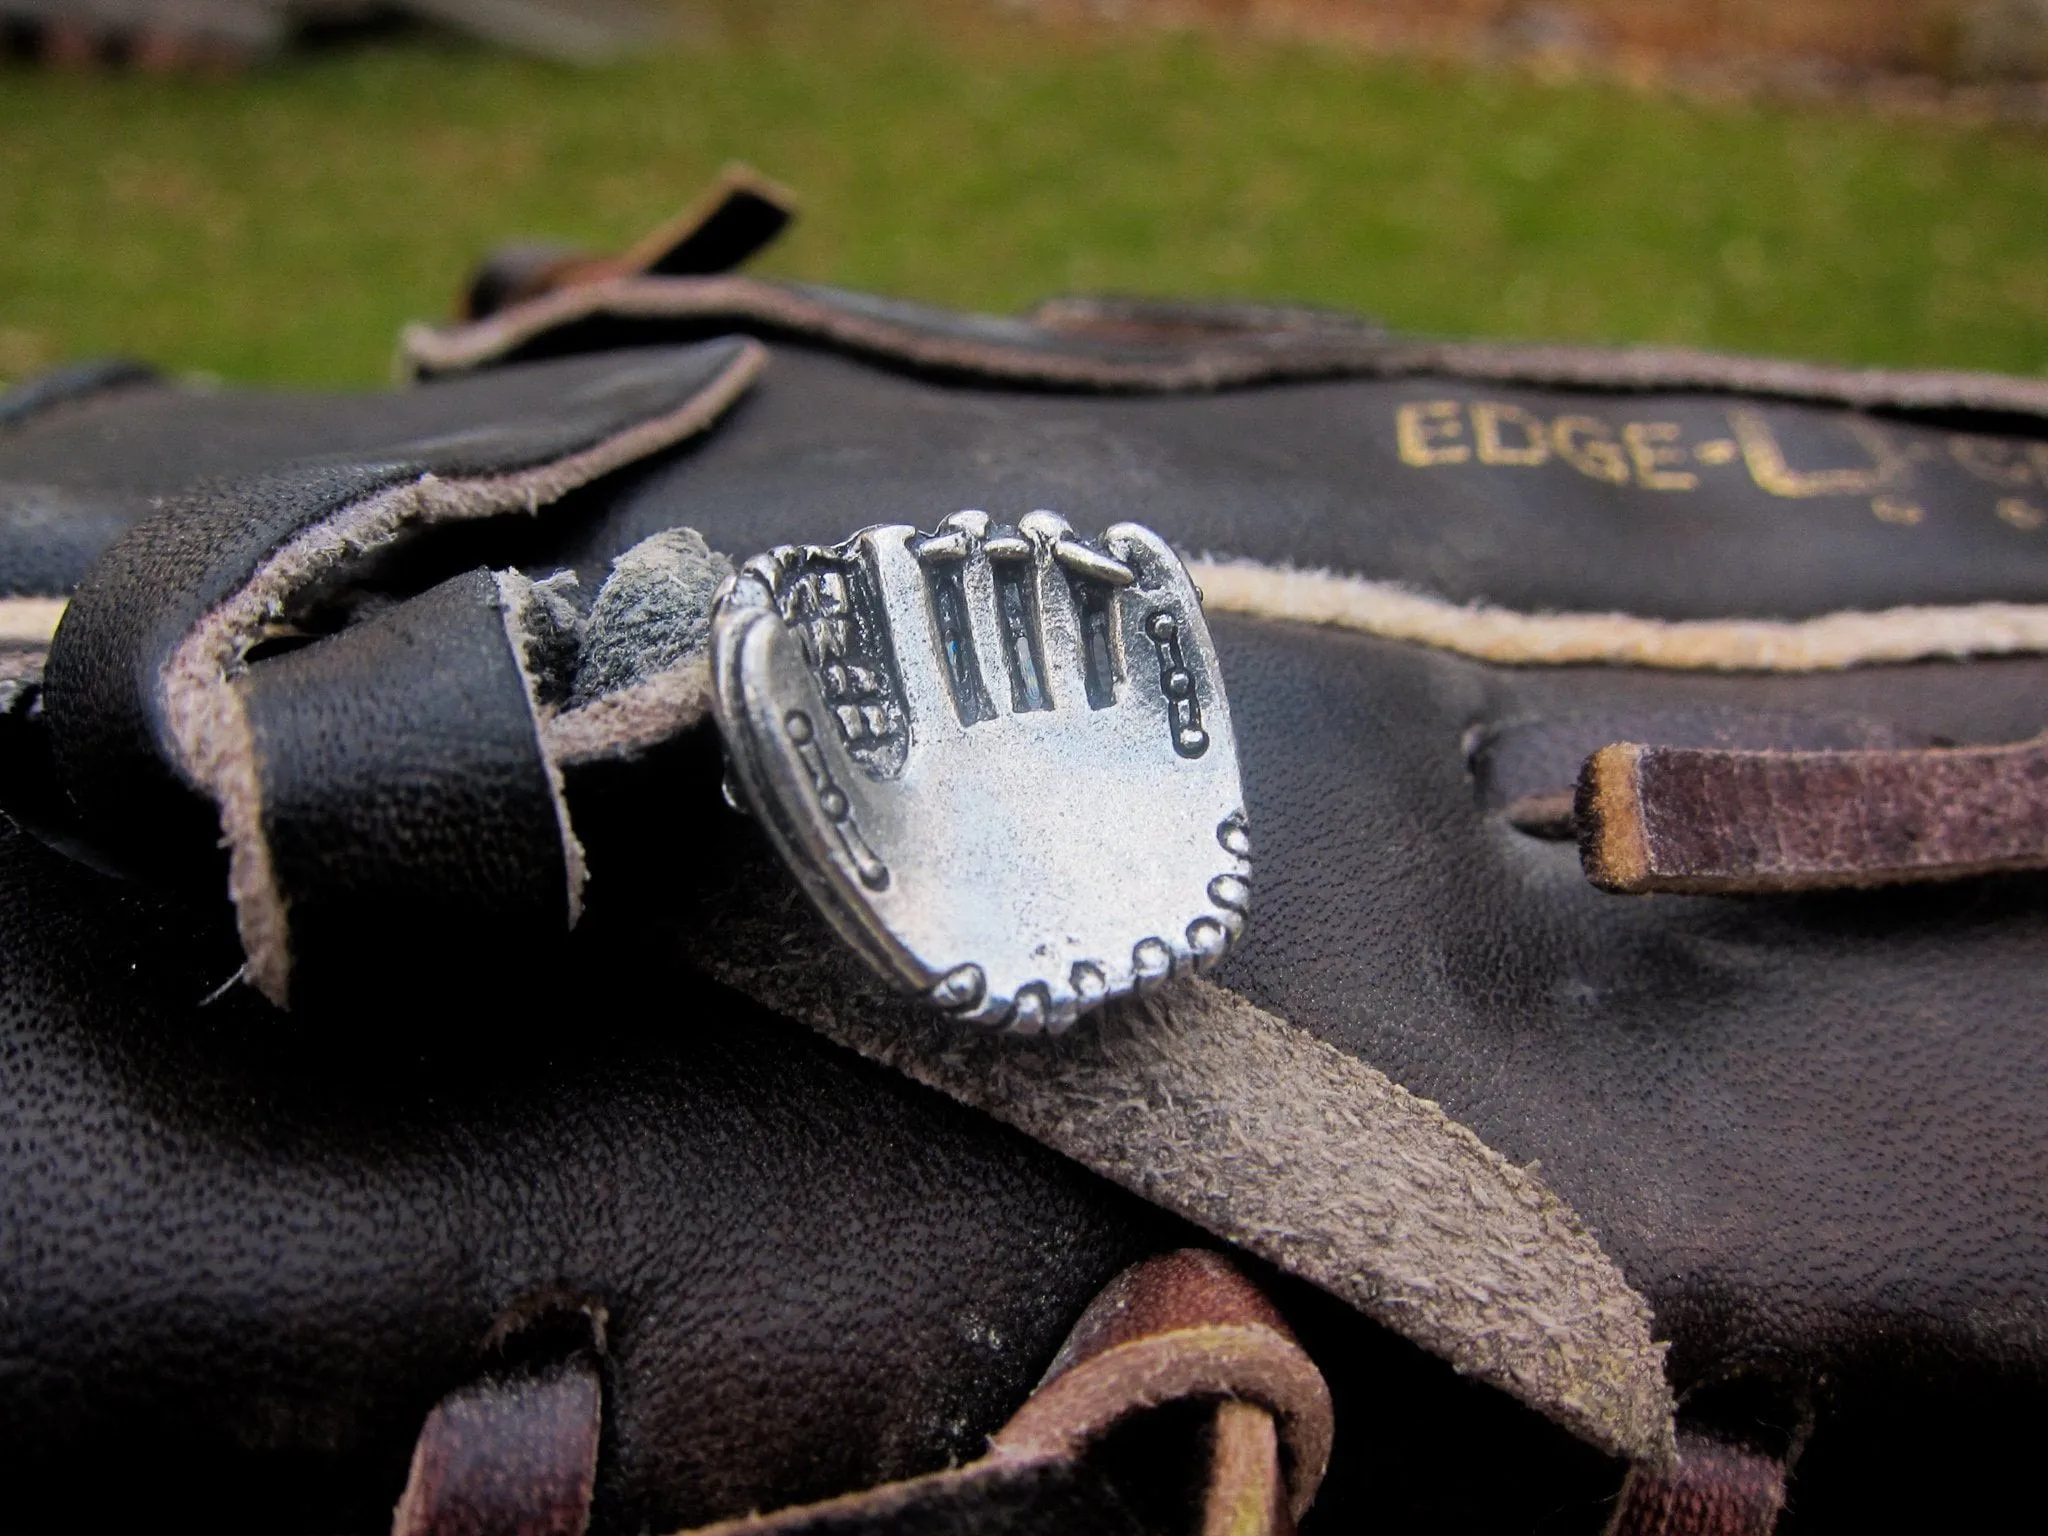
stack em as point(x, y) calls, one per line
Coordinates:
point(1715, 822)
point(508, 1456)
point(1614, 846)
point(737, 217)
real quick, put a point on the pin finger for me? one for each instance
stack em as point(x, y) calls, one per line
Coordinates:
point(1161, 617)
point(1059, 620)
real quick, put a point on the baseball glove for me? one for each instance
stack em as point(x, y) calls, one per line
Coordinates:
point(1617, 1075)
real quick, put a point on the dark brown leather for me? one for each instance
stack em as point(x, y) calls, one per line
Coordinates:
point(511, 1455)
point(1157, 1416)
point(1246, 1493)
point(249, 1252)
point(515, 1453)
point(1670, 818)
point(1716, 1489)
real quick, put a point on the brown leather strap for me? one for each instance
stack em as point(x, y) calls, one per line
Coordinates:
point(511, 1455)
point(1186, 1325)
point(1184, 1334)
point(1704, 821)
point(741, 213)
point(1716, 1489)
point(1247, 1493)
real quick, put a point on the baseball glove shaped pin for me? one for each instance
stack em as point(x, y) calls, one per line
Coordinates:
point(999, 759)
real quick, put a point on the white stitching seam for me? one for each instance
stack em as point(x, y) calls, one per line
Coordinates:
point(1827, 643)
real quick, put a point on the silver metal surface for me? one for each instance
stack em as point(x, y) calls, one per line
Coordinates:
point(999, 759)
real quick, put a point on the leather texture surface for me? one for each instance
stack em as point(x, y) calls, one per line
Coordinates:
point(251, 1253)
point(84, 466)
point(1711, 821)
point(1312, 475)
point(105, 683)
point(409, 815)
point(1812, 1130)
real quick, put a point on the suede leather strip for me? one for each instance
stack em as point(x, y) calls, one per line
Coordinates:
point(1226, 1115)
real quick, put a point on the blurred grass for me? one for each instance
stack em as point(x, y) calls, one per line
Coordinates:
point(280, 226)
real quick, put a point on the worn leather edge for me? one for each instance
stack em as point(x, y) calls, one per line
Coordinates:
point(1203, 1104)
point(207, 724)
point(632, 719)
point(1608, 811)
point(1830, 642)
point(1051, 360)
point(515, 598)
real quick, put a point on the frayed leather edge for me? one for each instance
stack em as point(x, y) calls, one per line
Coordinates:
point(1609, 806)
point(1206, 1105)
point(1205, 365)
point(203, 711)
point(515, 597)
point(1831, 642)
point(634, 718)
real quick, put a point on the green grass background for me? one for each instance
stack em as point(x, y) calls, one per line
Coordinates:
point(281, 225)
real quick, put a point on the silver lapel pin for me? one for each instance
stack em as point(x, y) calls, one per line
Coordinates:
point(998, 759)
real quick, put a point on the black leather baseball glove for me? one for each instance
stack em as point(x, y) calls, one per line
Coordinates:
point(422, 1089)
